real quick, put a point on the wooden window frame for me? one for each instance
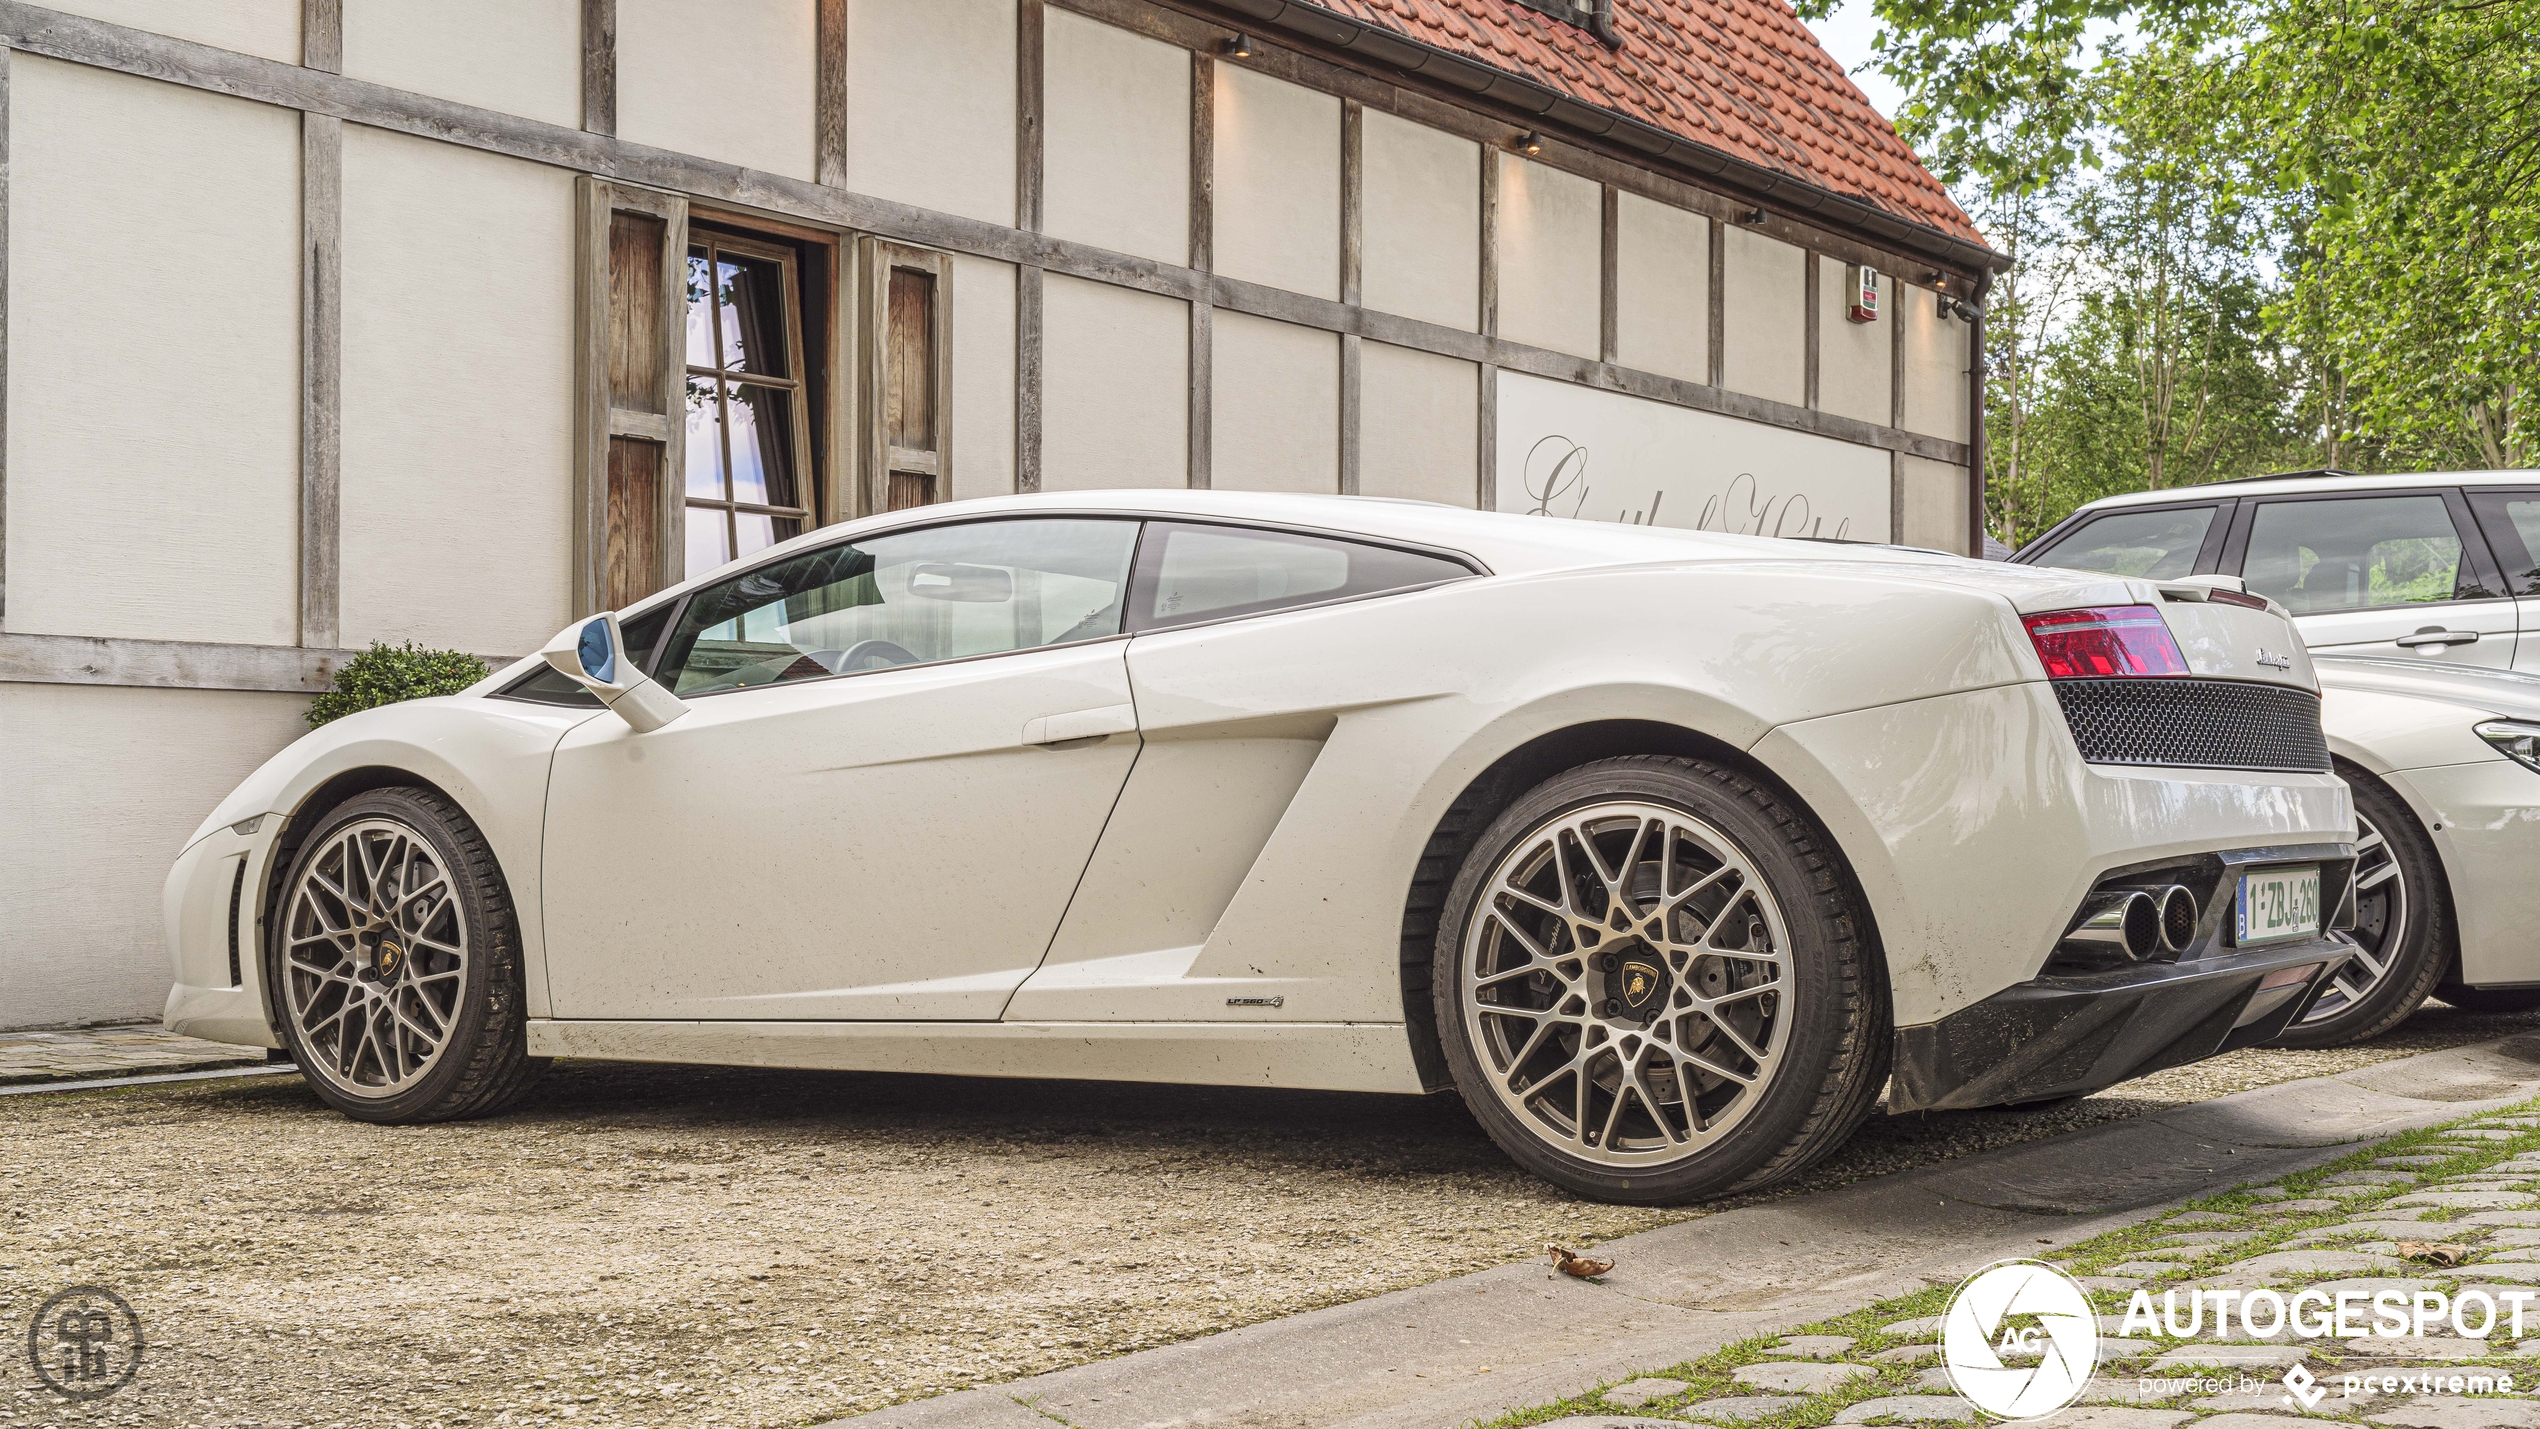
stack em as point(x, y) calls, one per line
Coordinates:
point(882, 459)
point(797, 381)
point(604, 423)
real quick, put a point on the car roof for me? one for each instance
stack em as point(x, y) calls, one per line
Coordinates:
point(2313, 483)
point(1505, 542)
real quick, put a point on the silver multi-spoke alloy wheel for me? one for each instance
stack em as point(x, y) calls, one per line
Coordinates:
point(374, 958)
point(1625, 983)
point(2381, 924)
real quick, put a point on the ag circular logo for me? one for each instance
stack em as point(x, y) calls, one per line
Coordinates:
point(2019, 1339)
point(85, 1343)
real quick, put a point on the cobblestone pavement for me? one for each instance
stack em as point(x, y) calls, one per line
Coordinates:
point(137, 1049)
point(2383, 1219)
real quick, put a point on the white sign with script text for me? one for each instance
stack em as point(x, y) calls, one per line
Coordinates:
point(1566, 450)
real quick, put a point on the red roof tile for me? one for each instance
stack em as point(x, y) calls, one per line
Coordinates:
point(1740, 76)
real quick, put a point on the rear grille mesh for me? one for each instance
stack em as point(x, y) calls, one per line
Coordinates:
point(2195, 724)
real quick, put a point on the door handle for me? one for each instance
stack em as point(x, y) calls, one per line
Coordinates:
point(1081, 724)
point(2436, 635)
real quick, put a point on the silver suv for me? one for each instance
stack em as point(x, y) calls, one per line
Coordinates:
point(2431, 566)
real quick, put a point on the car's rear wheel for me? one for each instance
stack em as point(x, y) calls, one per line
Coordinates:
point(1652, 983)
point(394, 964)
point(2403, 926)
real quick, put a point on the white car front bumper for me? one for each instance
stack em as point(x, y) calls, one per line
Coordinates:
point(213, 910)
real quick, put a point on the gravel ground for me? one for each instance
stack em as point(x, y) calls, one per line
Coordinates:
point(674, 1245)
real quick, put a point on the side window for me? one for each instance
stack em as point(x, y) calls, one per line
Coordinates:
point(2158, 545)
point(2356, 553)
point(2512, 519)
point(942, 593)
point(1194, 573)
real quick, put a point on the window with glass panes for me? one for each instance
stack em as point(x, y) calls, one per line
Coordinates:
point(748, 430)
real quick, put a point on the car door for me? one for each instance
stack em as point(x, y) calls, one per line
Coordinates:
point(897, 755)
point(2510, 516)
point(1254, 646)
point(2378, 573)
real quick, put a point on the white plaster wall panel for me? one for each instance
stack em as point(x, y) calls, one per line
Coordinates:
point(458, 416)
point(1935, 366)
point(1856, 362)
point(1567, 450)
point(154, 372)
point(1419, 430)
point(1551, 257)
point(515, 56)
point(930, 104)
point(1421, 222)
point(735, 80)
point(1763, 316)
point(1276, 425)
point(270, 28)
point(1115, 386)
point(1116, 138)
point(1278, 183)
point(1662, 280)
point(1931, 504)
point(100, 801)
point(982, 377)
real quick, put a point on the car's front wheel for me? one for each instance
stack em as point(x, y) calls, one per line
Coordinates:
point(394, 963)
point(1652, 982)
point(2403, 926)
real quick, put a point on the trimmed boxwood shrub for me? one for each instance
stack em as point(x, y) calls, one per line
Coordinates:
point(384, 674)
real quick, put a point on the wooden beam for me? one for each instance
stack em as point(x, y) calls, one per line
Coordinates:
point(1489, 315)
point(1202, 398)
point(1609, 307)
point(1486, 438)
point(1813, 295)
point(1029, 187)
point(1028, 50)
point(174, 664)
point(829, 117)
point(1719, 314)
point(321, 379)
point(322, 35)
point(599, 66)
point(1353, 275)
point(1352, 409)
point(1028, 282)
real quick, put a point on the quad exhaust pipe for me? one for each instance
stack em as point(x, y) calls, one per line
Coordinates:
point(2135, 924)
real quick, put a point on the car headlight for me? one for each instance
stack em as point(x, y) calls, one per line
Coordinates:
point(2516, 739)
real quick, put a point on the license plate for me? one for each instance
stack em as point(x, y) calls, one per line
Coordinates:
point(2278, 904)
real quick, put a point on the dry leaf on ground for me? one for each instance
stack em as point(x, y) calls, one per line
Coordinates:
point(1584, 1267)
point(2435, 1252)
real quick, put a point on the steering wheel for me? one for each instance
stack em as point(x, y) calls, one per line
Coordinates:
point(872, 655)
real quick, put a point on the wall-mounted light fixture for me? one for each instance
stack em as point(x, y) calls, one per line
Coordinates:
point(1530, 142)
point(1238, 48)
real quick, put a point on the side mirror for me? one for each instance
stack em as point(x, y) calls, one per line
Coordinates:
point(592, 653)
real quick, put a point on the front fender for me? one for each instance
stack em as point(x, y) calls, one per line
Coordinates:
point(490, 757)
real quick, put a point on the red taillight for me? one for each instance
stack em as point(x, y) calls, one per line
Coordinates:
point(2104, 641)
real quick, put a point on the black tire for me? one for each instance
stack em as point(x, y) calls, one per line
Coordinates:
point(482, 1064)
point(2414, 954)
point(1833, 1059)
point(2489, 1001)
